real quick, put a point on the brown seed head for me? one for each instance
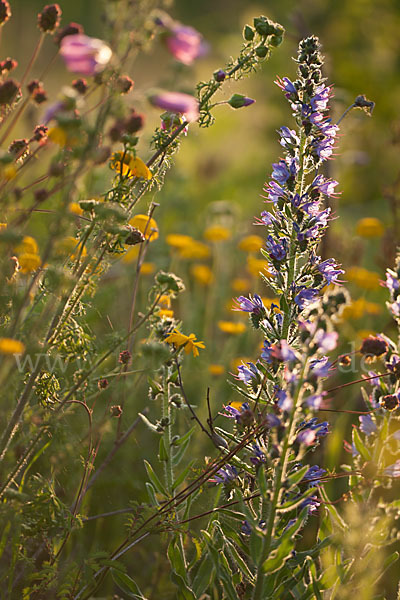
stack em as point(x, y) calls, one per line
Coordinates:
point(9, 91)
point(49, 18)
point(374, 346)
point(5, 11)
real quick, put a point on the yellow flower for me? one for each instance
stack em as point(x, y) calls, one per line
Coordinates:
point(369, 227)
point(372, 308)
point(240, 284)
point(195, 250)
point(28, 245)
point(202, 274)
point(146, 225)
point(168, 314)
point(147, 268)
point(231, 327)
point(188, 341)
point(164, 301)
point(58, 136)
point(130, 166)
point(11, 346)
point(75, 209)
point(251, 243)
point(365, 333)
point(255, 266)
point(216, 370)
point(130, 255)
point(268, 301)
point(70, 246)
point(3, 226)
point(358, 308)
point(29, 262)
point(217, 233)
point(368, 280)
point(8, 172)
point(178, 240)
point(236, 403)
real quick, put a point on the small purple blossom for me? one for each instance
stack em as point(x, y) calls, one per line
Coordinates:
point(247, 373)
point(329, 269)
point(286, 85)
point(326, 341)
point(392, 281)
point(272, 420)
point(314, 402)
point(258, 456)
point(276, 249)
point(320, 367)
point(237, 414)
point(393, 470)
point(325, 186)
point(312, 502)
point(315, 473)
point(306, 437)
point(285, 402)
point(280, 172)
point(305, 297)
point(367, 425)
point(251, 305)
point(226, 474)
point(319, 102)
point(184, 42)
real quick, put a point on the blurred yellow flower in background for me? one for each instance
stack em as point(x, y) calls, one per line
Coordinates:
point(195, 250)
point(7, 172)
point(178, 240)
point(146, 225)
point(71, 246)
point(29, 262)
point(251, 243)
point(368, 280)
point(131, 255)
point(58, 136)
point(147, 268)
point(216, 370)
point(217, 233)
point(255, 266)
point(11, 346)
point(370, 227)
point(202, 274)
point(3, 226)
point(236, 362)
point(28, 245)
point(240, 284)
point(358, 308)
point(231, 327)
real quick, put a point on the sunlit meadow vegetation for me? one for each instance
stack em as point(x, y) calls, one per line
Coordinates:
point(199, 352)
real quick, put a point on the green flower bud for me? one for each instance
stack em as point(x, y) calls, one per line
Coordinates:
point(275, 40)
point(248, 33)
point(264, 26)
point(238, 101)
point(261, 51)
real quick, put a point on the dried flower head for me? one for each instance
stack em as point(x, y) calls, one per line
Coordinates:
point(80, 85)
point(125, 357)
point(8, 64)
point(124, 84)
point(49, 18)
point(5, 12)
point(9, 90)
point(374, 346)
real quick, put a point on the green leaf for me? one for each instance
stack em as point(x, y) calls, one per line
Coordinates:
point(182, 475)
point(127, 585)
point(180, 583)
point(162, 451)
point(151, 494)
point(149, 424)
point(296, 477)
point(359, 444)
point(204, 577)
point(154, 479)
point(177, 457)
point(185, 437)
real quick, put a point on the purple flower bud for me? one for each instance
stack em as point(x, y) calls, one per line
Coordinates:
point(238, 101)
point(84, 55)
point(176, 102)
point(320, 367)
point(306, 437)
point(183, 42)
point(220, 75)
point(305, 297)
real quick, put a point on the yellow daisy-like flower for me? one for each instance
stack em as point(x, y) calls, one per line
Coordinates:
point(8, 172)
point(358, 308)
point(231, 327)
point(147, 268)
point(216, 370)
point(146, 225)
point(255, 266)
point(368, 280)
point(188, 341)
point(28, 245)
point(251, 243)
point(129, 166)
point(369, 227)
point(217, 233)
point(3, 226)
point(178, 240)
point(195, 250)
point(202, 274)
point(29, 262)
point(11, 346)
point(75, 209)
point(164, 301)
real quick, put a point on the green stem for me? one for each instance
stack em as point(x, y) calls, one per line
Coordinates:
point(166, 414)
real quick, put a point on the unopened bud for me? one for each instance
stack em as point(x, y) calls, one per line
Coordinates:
point(238, 101)
point(219, 75)
point(102, 384)
point(125, 357)
point(80, 85)
point(124, 84)
point(116, 410)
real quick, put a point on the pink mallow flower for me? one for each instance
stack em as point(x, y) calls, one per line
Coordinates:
point(185, 43)
point(84, 55)
point(175, 102)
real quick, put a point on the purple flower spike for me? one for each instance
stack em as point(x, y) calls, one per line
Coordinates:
point(84, 55)
point(176, 102)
